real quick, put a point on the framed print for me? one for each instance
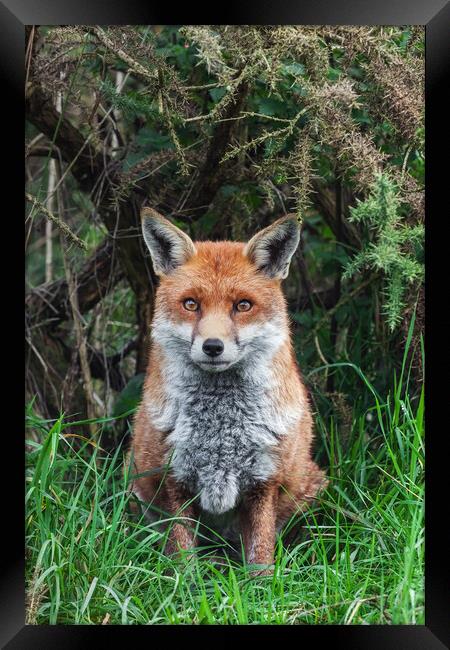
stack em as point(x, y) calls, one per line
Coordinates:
point(225, 254)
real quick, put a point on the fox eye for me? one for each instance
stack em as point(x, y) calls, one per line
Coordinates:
point(244, 305)
point(190, 304)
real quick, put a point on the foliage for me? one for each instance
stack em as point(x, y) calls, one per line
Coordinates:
point(397, 250)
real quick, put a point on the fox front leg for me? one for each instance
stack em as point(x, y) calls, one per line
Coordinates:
point(258, 522)
point(180, 535)
point(179, 539)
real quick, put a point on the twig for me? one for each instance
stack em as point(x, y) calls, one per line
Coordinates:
point(319, 351)
point(288, 130)
point(405, 162)
point(81, 344)
point(80, 339)
point(61, 224)
point(134, 65)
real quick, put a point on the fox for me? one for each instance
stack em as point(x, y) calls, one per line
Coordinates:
point(224, 429)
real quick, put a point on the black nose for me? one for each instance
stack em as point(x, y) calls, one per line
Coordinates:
point(213, 347)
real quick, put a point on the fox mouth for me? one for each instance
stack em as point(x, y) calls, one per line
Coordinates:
point(214, 365)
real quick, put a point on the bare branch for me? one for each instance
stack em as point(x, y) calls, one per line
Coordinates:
point(135, 66)
point(48, 304)
point(81, 340)
point(61, 224)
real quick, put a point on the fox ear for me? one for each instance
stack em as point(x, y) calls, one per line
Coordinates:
point(271, 249)
point(168, 245)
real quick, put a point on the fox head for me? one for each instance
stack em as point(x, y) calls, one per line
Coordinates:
point(220, 303)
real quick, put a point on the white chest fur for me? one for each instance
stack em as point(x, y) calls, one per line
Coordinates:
point(223, 429)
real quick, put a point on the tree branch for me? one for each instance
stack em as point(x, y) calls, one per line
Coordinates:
point(49, 303)
point(97, 173)
point(211, 174)
point(87, 162)
point(325, 201)
point(40, 207)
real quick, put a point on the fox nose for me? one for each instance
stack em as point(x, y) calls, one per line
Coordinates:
point(213, 347)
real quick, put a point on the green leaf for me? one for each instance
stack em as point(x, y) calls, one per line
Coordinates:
point(216, 94)
point(271, 106)
point(333, 74)
point(295, 69)
point(152, 140)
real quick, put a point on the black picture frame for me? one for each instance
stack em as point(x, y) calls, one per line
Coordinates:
point(435, 15)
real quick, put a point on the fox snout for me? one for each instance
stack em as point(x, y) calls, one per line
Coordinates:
point(213, 347)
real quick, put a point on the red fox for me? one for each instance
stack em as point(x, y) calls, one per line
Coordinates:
point(224, 410)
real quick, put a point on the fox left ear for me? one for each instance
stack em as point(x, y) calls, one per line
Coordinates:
point(169, 246)
point(271, 249)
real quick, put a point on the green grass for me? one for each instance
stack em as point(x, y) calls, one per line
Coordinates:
point(357, 556)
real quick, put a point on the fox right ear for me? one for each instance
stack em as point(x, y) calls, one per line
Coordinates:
point(271, 249)
point(168, 245)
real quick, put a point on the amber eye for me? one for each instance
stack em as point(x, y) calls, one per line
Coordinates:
point(244, 305)
point(190, 304)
